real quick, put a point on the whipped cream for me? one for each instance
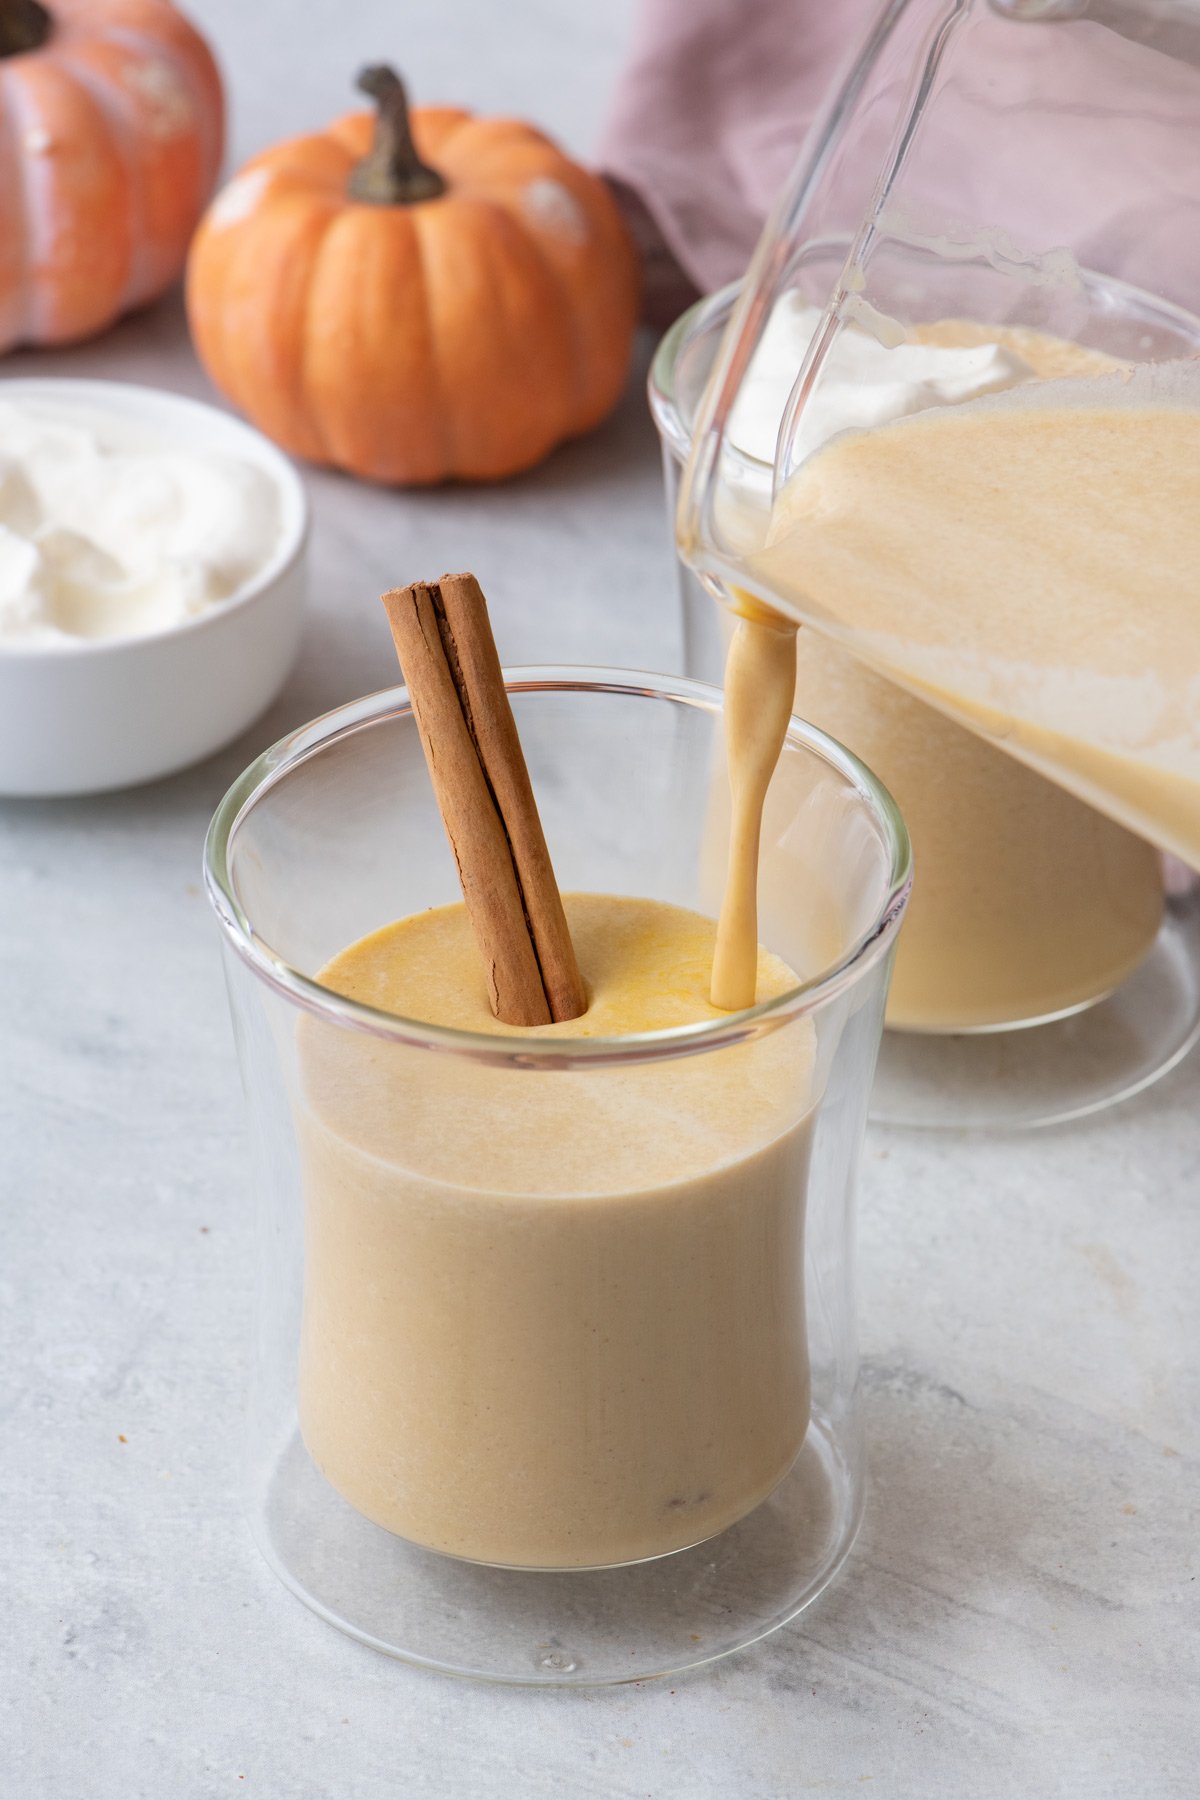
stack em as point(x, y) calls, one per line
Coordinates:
point(863, 383)
point(108, 529)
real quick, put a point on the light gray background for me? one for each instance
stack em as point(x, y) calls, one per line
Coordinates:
point(1020, 1617)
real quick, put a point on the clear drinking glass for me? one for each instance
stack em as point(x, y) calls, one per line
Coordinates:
point(1041, 976)
point(508, 1372)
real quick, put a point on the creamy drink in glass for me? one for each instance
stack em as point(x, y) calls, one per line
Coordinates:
point(569, 1335)
point(554, 1376)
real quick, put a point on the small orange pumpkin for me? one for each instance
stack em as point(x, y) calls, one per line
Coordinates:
point(111, 128)
point(411, 320)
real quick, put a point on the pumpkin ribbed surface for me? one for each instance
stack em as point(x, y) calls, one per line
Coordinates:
point(459, 336)
point(110, 143)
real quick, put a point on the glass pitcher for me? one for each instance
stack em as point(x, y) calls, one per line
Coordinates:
point(987, 474)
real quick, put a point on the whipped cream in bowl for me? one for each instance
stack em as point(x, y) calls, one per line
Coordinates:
point(110, 530)
point(151, 582)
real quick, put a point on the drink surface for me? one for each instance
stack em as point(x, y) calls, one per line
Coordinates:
point(554, 1319)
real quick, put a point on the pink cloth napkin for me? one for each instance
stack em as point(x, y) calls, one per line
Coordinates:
point(718, 96)
point(710, 115)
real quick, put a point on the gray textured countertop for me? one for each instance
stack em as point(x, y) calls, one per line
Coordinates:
point(1020, 1615)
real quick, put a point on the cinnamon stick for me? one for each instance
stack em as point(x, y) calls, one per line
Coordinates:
point(448, 658)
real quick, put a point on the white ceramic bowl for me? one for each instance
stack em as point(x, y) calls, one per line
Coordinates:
point(102, 713)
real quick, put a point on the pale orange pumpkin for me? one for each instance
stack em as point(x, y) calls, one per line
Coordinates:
point(111, 127)
point(415, 320)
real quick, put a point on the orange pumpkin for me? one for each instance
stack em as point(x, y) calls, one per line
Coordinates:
point(414, 320)
point(111, 126)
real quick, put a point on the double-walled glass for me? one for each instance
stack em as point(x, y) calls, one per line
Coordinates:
point(555, 1374)
point(1041, 975)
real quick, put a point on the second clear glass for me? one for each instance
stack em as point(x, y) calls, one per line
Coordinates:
point(1038, 927)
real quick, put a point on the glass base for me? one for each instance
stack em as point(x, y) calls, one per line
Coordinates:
point(561, 1628)
point(1049, 1074)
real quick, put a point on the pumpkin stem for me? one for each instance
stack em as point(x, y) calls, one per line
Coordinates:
point(24, 25)
point(391, 174)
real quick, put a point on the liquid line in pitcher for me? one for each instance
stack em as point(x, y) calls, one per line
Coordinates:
point(1027, 563)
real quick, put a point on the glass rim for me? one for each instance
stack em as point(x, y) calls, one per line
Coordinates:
point(525, 1050)
point(701, 316)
